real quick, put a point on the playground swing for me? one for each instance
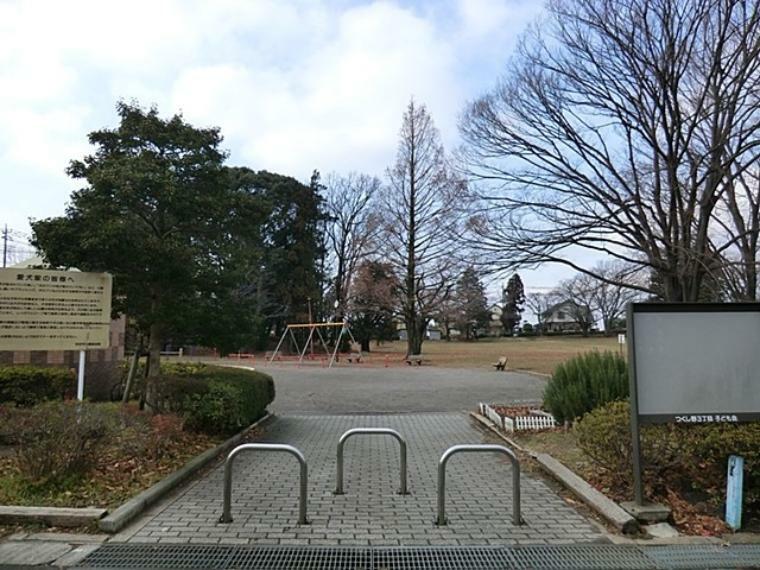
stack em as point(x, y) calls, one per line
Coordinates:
point(291, 332)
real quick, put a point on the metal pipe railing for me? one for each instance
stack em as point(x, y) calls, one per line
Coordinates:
point(370, 431)
point(226, 513)
point(516, 518)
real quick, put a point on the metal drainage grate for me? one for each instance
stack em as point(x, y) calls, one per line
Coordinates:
point(586, 556)
point(700, 557)
point(159, 556)
point(560, 557)
point(449, 558)
point(300, 558)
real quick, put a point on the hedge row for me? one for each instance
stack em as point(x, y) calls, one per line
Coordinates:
point(690, 457)
point(213, 399)
point(30, 385)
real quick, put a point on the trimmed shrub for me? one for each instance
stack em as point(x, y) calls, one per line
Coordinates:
point(30, 385)
point(584, 383)
point(214, 399)
point(688, 457)
point(58, 440)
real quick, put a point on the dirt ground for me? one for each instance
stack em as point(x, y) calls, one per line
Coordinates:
point(533, 354)
point(537, 354)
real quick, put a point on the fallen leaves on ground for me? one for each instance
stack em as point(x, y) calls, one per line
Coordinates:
point(123, 469)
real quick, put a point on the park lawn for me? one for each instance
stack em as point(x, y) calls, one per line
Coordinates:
point(536, 354)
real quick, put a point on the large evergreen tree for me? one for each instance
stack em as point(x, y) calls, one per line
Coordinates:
point(289, 277)
point(471, 303)
point(513, 300)
point(157, 212)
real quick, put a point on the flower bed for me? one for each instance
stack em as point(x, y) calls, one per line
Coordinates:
point(518, 418)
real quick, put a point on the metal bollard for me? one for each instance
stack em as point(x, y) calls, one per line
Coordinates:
point(370, 431)
point(516, 518)
point(303, 477)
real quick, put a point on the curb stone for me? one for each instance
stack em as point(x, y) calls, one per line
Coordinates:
point(51, 516)
point(125, 513)
point(604, 506)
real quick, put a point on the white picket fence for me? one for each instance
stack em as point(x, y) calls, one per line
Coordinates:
point(538, 419)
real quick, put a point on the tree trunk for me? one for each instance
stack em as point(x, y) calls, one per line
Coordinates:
point(365, 344)
point(132, 372)
point(154, 365)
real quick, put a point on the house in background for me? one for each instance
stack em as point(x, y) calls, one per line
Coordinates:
point(566, 316)
point(495, 327)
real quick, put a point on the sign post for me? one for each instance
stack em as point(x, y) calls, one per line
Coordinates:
point(691, 363)
point(42, 309)
point(734, 492)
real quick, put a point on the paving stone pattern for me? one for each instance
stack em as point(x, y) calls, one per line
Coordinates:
point(265, 492)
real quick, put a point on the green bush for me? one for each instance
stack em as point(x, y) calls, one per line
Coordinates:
point(30, 385)
point(57, 440)
point(584, 383)
point(213, 399)
point(689, 457)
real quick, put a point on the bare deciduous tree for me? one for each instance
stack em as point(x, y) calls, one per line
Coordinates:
point(539, 303)
point(351, 229)
point(739, 218)
point(579, 292)
point(611, 294)
point(619, 128)
point(420, 205)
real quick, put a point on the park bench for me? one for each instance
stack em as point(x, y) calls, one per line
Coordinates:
point(354, 357)
point(414, 359)
point(501, 364)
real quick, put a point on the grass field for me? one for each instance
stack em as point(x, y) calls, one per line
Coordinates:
point(538, 354)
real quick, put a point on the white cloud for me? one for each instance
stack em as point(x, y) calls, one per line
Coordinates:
point(294, 85)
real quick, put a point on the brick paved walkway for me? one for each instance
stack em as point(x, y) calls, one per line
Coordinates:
point(265, 492)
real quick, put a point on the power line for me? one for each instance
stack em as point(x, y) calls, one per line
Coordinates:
point(16, 246)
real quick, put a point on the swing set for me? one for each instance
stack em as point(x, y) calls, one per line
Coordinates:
point(315, 329)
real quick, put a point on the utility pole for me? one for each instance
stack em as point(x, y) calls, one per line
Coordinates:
point(5, 245)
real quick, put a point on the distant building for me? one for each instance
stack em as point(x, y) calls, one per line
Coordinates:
point(432, 333)
point(495, 326)
point(563, 317)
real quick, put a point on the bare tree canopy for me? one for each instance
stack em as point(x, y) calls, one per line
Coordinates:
point(739, 220)
point(619, 128)
point(351, 229)
point(539, 304)
point(419, 208)
point(578, 292)
point(611, 294)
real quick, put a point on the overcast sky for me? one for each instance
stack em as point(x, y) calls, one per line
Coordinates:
point(294, 86)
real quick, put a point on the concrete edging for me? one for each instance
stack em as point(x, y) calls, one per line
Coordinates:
point(51, 516)
point(603, 505)
point(126, 512)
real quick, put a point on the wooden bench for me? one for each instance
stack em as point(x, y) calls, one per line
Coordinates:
point(414, 359)
point(501, 364)
point(354, 357)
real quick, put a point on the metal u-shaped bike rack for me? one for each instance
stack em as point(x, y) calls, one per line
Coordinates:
point(226, 513)
point(516, 518)
point(370, 431)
